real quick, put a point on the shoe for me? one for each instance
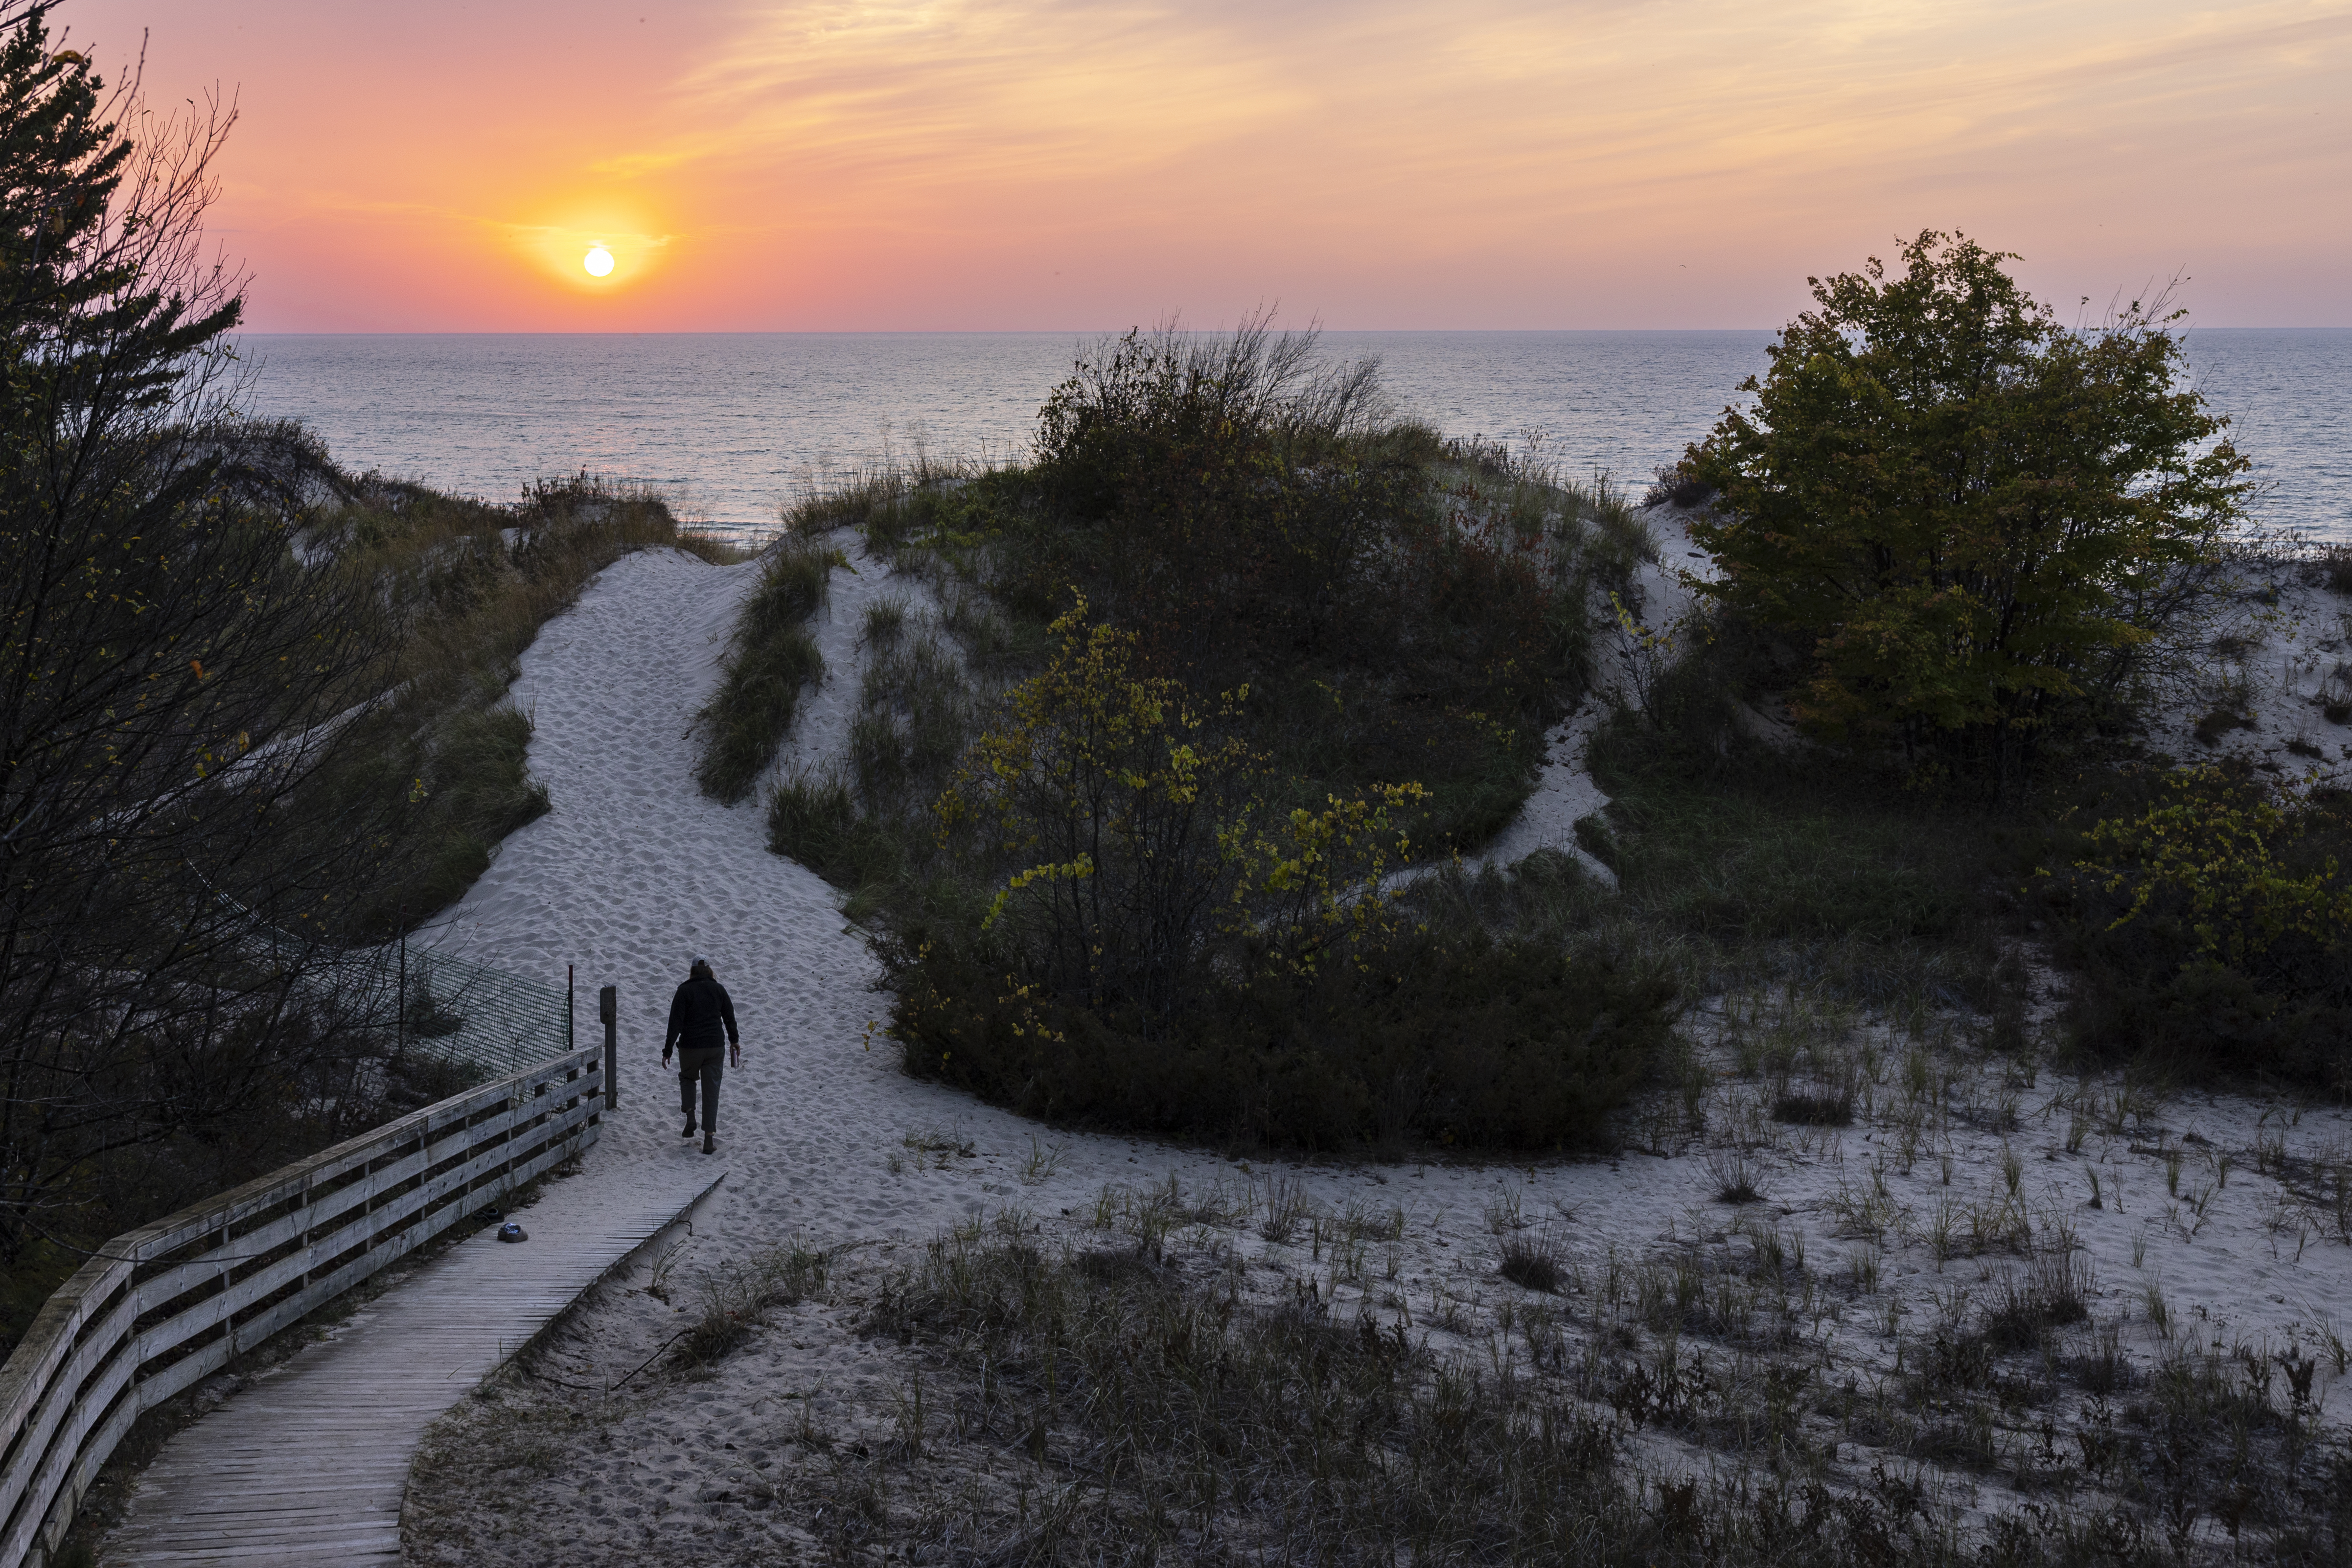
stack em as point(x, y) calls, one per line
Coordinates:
point(689, 1128)
point(709, 1144)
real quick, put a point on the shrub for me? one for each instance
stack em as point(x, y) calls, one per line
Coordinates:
point(1226, 458)
point(770, 657)
point(1810, 1107)
point(1469, 1042)
point(1247, 517)
point(1133, 838)
point(2210, 917)
point(2334, 567)
point(1975, 517)
point(1099, 785)
point(2207, 854)
point(1677, 485)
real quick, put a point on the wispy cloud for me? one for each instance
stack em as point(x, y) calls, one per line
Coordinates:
point(1448, 108)
point(1386, 162)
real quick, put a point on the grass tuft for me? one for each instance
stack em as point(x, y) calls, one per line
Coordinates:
point(1532, 1261)
point(1736, 1176)
point(769, 658)
point(735, 1298)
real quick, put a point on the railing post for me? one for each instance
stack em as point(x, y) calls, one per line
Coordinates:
point(608, 1008)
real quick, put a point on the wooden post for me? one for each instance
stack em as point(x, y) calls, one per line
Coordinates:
point(608, 1008)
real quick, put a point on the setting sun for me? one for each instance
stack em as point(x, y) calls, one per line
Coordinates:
point(593, 247)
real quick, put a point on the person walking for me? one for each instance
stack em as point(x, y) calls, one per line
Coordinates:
point(702, 1031)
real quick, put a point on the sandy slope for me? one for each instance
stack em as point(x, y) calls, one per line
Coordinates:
point(633, 869)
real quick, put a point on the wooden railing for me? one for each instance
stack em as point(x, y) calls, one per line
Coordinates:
point(173, 1302)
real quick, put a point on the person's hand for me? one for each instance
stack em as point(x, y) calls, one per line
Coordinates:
point(734, 1054)
point(664, 1056)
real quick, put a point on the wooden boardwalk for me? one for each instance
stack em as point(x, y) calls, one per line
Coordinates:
point(308, 1466)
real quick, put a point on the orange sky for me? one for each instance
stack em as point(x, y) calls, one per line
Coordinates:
point(1054, 165)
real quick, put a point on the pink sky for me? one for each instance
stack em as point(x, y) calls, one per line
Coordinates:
point(1049, 164)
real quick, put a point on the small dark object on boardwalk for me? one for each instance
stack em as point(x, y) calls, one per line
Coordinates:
point(510, 1231)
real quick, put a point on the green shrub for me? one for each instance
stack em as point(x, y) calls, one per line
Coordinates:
point(1468, 1042)
point(1974, 519)
point(814, 820)
point(770, 657)
point(1128, 846)
point(2209, 918)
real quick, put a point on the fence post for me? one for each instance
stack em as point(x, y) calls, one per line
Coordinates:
point(570, 1013)
point(608, 1008)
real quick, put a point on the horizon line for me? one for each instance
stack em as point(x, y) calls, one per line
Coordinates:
point(1036, 331)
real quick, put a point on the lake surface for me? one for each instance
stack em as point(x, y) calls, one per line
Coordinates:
point(732, 427)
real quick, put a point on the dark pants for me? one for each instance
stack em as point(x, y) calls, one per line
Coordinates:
point(703, 1065)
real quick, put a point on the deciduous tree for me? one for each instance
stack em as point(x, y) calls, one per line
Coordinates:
point(1972, 516)
point(167, 662)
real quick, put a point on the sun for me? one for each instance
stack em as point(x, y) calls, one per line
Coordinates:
point(598, 261)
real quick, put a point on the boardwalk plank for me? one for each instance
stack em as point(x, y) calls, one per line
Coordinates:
point(307, 1465)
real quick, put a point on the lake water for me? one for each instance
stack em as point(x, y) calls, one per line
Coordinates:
point(733, 426)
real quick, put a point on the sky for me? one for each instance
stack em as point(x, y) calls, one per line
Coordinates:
point(1057, 165)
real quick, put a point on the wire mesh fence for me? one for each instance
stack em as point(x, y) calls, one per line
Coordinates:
point(437, 1007)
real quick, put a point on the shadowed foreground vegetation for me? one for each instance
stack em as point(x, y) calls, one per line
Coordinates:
point(1140, 1390)
point(251, 707)
point(1153, 1412)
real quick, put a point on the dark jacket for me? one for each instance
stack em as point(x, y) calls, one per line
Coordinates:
point(700, 1014)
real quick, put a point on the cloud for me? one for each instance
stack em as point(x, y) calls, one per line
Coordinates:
point(1595, 107)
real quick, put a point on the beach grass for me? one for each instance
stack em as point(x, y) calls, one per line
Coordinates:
point(769, 659)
